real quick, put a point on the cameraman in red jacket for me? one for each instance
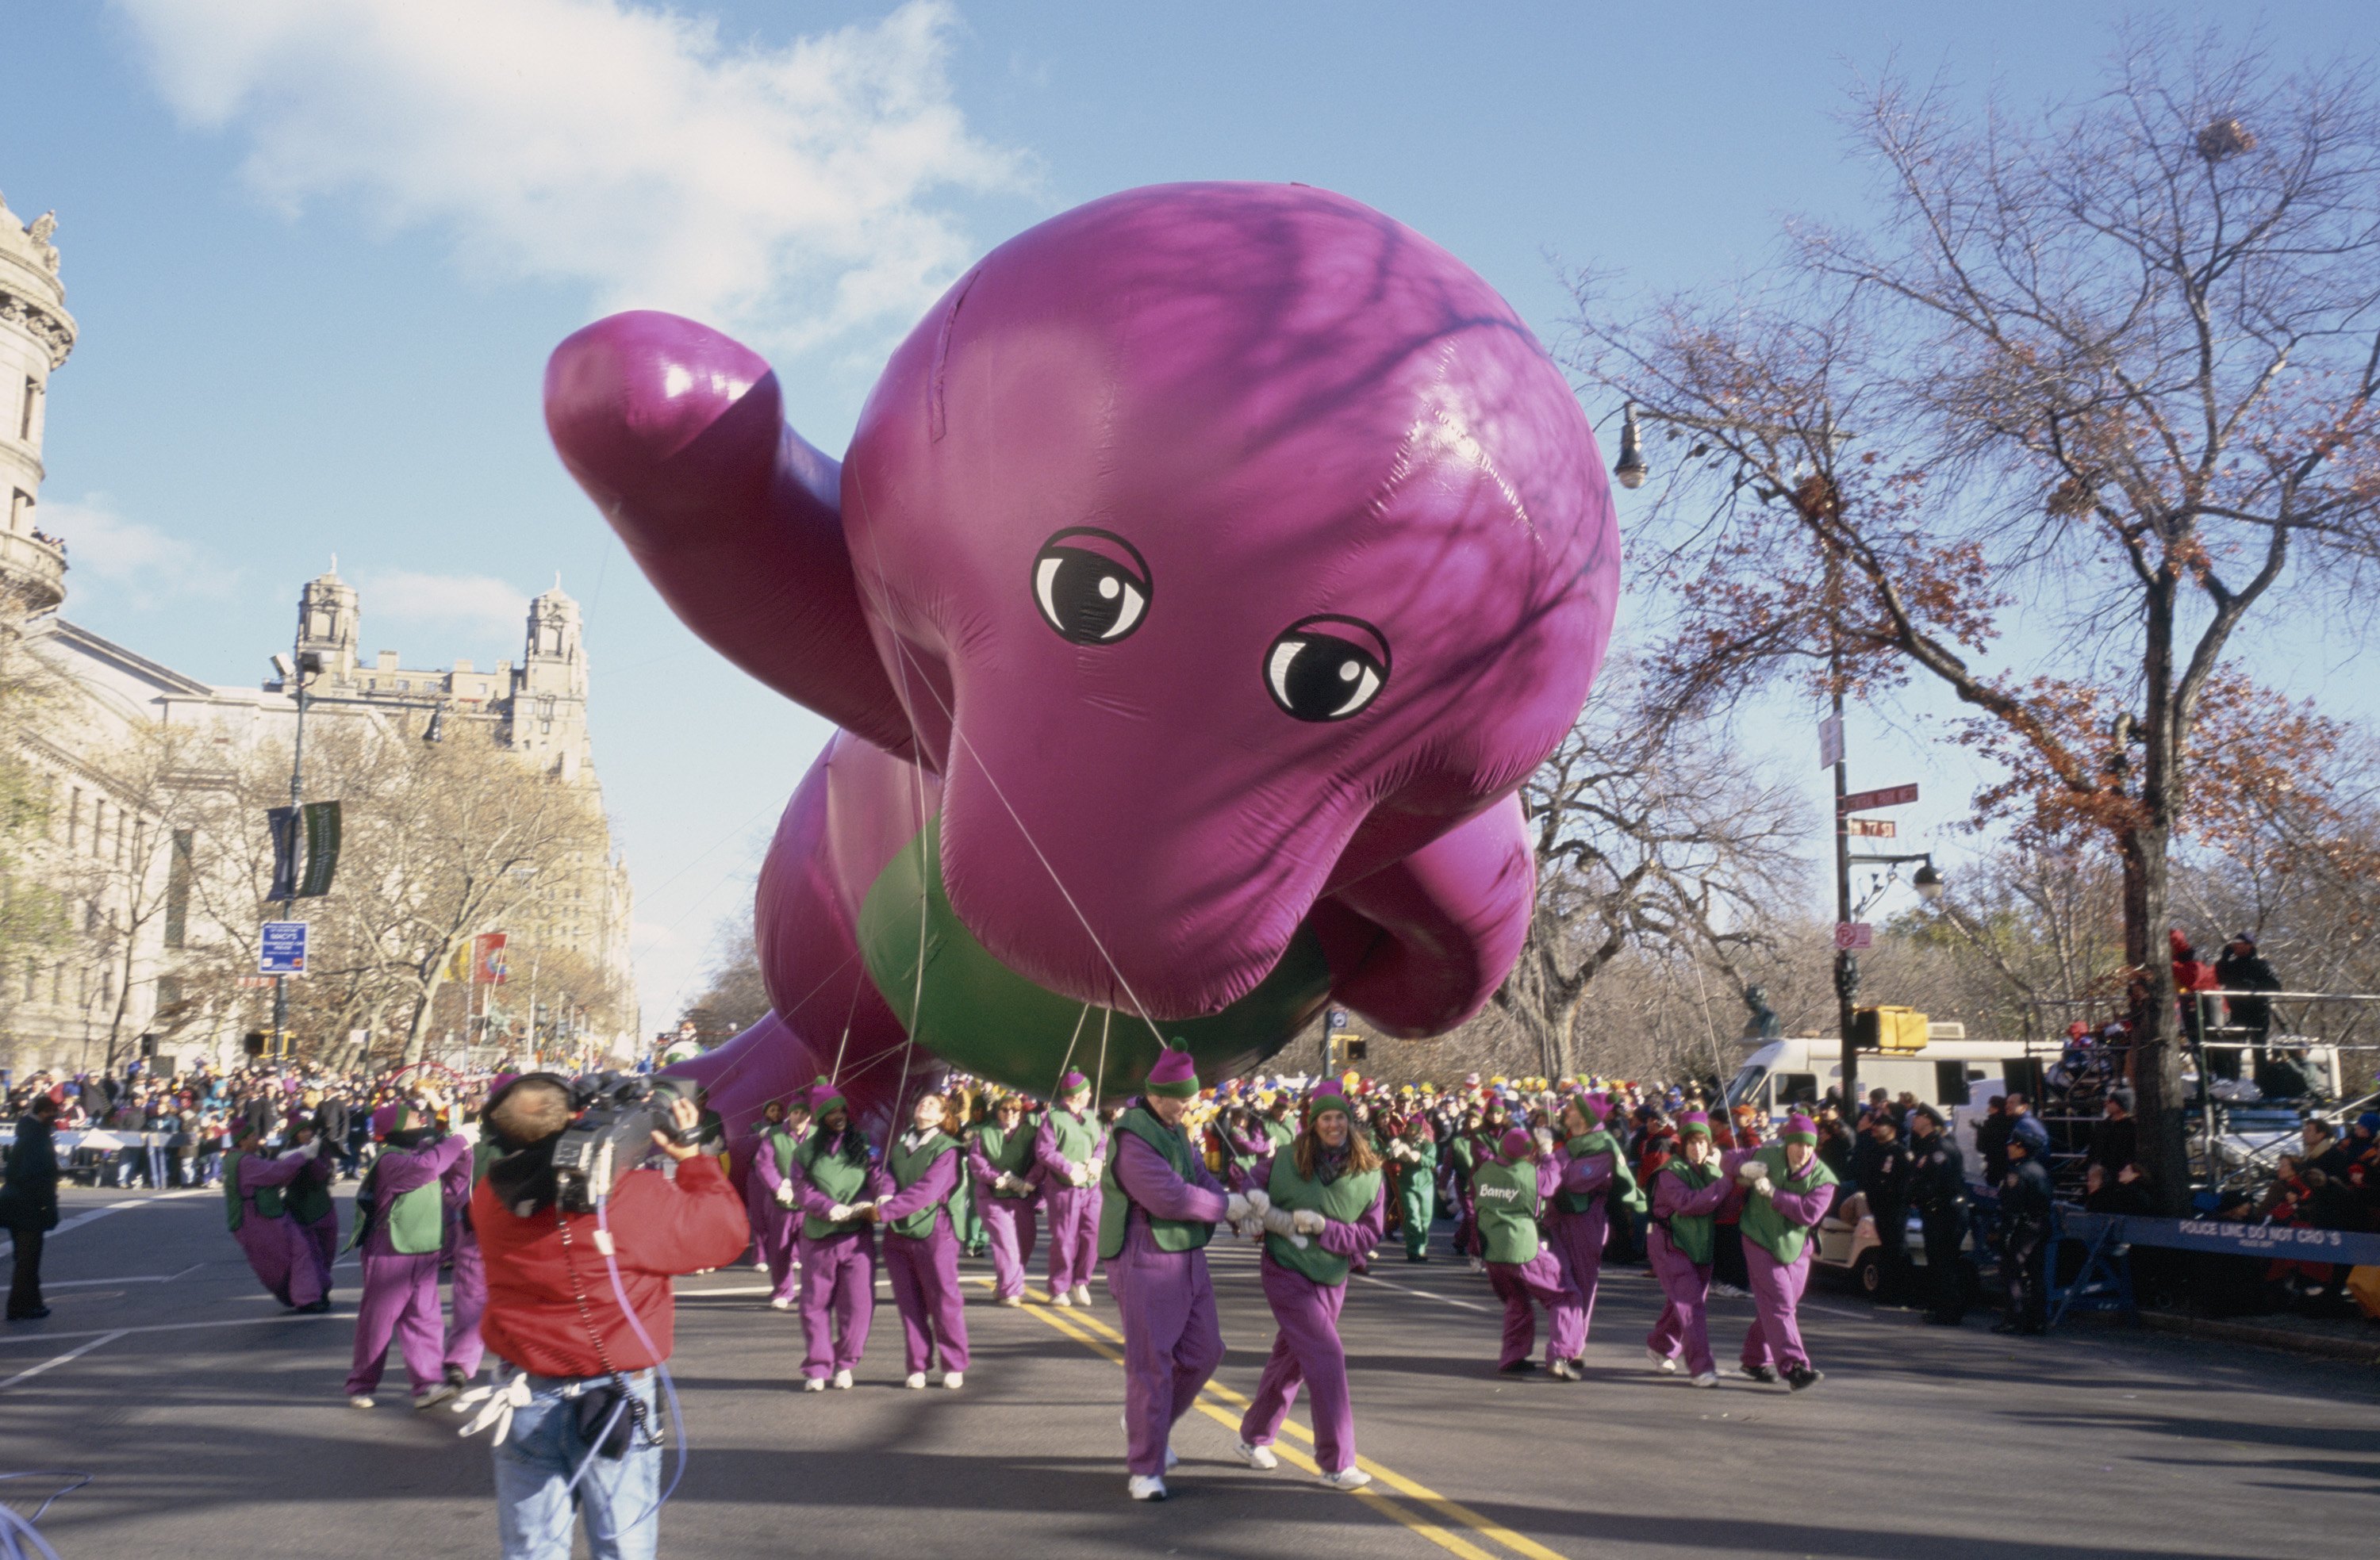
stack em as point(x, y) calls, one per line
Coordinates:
point(585, 1396)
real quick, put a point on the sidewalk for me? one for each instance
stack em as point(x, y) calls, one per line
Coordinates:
point(2350, 1338)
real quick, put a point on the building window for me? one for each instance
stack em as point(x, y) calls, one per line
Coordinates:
point(32, 403)
point(74, 817)
point(169, 992)
point(177, 889)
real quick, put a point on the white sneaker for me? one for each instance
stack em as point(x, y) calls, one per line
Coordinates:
point(1665, 1363)
point(955, 1379)
point(1147, 1487)
point(1067, 1299)
point(1011, 1300)
point(842, 1381)
point(781, 1304)
point(1257, 1457)
point(1708, 1378)
point(916, 1381)
point(361, 1400)
point(1347, 1478)
point(1563, 1370)
point(430, 1396)
point(813, 1383)
point(1083, 1296)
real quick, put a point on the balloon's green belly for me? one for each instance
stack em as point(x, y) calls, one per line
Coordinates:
point(983, 1018)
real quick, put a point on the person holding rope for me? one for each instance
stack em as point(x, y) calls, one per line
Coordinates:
point(1158, 1206)
point(1325, 1205)
point(834, 1181)
point(1788, 1189)
point(1593, 1168)
point(1512, 1186)
point(1687, 1193)
point(921, 1247)
point(1001, 1158)
point(1068, 1150)
point(775, 1226)
point(402, 1236)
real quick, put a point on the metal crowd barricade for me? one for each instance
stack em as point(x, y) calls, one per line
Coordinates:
point(2103, 1281)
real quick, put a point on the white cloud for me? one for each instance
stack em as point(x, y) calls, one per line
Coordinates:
point(142, 564)
point(785, 191)
point(479, 603)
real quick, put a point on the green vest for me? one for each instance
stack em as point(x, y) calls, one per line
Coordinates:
point(416, 1220)
point(1115, 1203)
point(1281, 1133)
point(780, 1144)
point(1763, 1223)
point(1507, 1204)
point(907, 1164)
point(1078, 1136)
point(834, 1175)
point(1009, 1152)
point(1623, 1180)
point(309, 1200)
point(1692, 1234)
point(1346, 1200)
point(268, 1198)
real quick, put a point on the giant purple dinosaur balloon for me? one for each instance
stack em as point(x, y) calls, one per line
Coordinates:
point(1207, 570)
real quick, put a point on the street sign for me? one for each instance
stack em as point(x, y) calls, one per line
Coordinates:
point(1830, 742)
point(1870, 828)
point(281, 949)
point(1338, 1019)
point(1851, 936)
point(1890, 796)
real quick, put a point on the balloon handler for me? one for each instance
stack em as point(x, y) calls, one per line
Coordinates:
point(834, 1183)
point(1687, 1193)
point(1511, 1187)
point(1788, 1189)
point(255, 1186)
point(401, 1224)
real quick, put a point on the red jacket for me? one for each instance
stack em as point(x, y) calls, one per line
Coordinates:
point(661, 1228)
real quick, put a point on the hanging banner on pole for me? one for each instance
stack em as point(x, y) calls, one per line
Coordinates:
point(321, 821)
point(281, 822)
point(488, 958)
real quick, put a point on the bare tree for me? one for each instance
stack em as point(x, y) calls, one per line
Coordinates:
point(2118, 362)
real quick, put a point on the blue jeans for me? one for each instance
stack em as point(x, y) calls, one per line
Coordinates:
point(534, 1507)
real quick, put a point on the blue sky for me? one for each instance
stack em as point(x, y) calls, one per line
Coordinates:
point(319, 252)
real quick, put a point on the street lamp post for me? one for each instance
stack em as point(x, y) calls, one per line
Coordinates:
point(294, 671)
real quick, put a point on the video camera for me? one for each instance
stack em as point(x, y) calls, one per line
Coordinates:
point(617, 1114)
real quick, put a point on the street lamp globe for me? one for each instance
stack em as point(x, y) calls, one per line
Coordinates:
point(1928, 883)
point(1631, 469)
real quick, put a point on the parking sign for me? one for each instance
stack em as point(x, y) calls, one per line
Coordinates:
point(281, 949)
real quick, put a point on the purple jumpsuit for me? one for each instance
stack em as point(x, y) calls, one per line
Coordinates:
point(1008, 1222)
point(468, 1279)
point(1775, 1337)
point(926, 1273)
point(1539, 1280)
point(1577, 1238)
point(1307, 1349)
point(775, 1227)
point(1074, 1211)
point(322, 1237)
point(838, 1284)
point(400, 1296)
point(1685, 1284)
point(277, 1251)
point(1172, 1339)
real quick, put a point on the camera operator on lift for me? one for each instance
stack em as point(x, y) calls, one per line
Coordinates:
point(587, 1398)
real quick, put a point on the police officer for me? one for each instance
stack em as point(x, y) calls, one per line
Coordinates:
point(1937, 1189)
point(2025, 1200)
point(1883, 1166)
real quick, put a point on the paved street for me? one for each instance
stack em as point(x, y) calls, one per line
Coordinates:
point(213, 1425)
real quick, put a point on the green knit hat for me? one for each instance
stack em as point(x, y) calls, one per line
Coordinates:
point(1327, 1096)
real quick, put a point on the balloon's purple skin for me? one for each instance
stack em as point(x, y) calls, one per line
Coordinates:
point(1214, 560)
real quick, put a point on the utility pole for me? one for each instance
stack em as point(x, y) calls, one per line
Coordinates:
point(288, 902)
point(1847, 975)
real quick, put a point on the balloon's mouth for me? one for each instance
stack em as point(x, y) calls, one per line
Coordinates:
point(959, 1001)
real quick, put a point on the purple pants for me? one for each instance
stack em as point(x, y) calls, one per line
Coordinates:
point(1009, 1226)
point(1307, 1350)
point(322, 1239)
point(1523, 1286)
point(1577, 1241)
point(281, 1258)
point(925, 1291)
point(1685, 1320)
point(838, 1300)
point(1171, 1345)
point(400, 1301)
point(1074, 1234)
point(468, 1286)
point(1775, 1336)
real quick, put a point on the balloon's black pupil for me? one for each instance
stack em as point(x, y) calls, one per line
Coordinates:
point(1085, 613)
point(1323, 675)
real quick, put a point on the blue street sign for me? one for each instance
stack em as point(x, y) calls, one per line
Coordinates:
point(281, 949)
point(1338, 1018)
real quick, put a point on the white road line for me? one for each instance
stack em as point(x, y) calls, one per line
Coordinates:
point(1425, 1294)
point(180, 1326)
point(137, 1278)
point(69, 1354)
point(99, 1213)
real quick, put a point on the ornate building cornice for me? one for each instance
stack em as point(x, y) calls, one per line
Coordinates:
point(42, 317)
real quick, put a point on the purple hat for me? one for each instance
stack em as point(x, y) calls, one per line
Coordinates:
point(1175, 1076)
point(1072, 1082)
point(825, 1096)
point(1800, 1129)
point(1597, 1106)
point(1515, 1144)
point(1694, 1123)
point(396, 1118)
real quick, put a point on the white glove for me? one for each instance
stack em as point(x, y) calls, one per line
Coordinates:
point(1236, 1209)
point(842, 1213)
point(785, 1194)
point(1005, 1183)
point(1097, 1167)
point(495, 1405)
point(1545, 1140)
point(1308, 1221)
point(1751, 1171)
point(1259, 1200)
point(1280, 1222)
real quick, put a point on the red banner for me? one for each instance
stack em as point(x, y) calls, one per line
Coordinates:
point(488, 958)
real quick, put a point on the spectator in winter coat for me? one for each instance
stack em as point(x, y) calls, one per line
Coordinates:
point(2240, 968)
point(2116, 1139)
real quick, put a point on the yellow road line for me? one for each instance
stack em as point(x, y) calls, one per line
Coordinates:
point(1081, 1324)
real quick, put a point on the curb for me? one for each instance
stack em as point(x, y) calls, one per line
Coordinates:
point(2360, 1351)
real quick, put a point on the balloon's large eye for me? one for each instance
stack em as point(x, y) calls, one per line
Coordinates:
point(1327, 668)
point(1092, 586)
